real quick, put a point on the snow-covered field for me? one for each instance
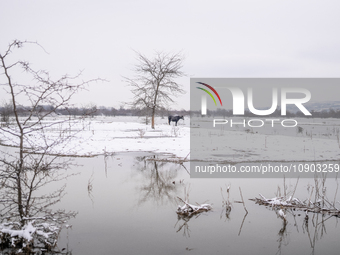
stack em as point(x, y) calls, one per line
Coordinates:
point(99, 135)
point(123, 134)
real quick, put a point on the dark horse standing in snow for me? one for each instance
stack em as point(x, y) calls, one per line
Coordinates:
point(175, 119)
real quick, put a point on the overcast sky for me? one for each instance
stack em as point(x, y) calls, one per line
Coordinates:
point(290, 38)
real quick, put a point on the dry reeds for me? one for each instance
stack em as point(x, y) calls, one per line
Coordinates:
point(320, 203)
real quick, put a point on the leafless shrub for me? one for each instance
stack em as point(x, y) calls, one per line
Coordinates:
point(36, 161)
point(141, 132)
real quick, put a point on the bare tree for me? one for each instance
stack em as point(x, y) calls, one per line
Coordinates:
point(38, 141)
point(153, 85)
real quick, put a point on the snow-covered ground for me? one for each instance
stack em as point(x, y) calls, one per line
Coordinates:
point(130, 134)
point(99, 135)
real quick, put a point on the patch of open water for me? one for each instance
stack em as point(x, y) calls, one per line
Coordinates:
point(131, 210)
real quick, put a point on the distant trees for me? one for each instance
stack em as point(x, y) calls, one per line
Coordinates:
point(154, 85)
point(5, 113)
point(325, 113)
point(85, 111)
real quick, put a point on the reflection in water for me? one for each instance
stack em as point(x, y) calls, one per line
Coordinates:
point(227, 205)
point(159, 184)
point(27, 224)
point(315, 211)
point(244, 218)
point(283, 235)
point(182, 223)
point(313, 226)
point(188, 211)
point(90, 188)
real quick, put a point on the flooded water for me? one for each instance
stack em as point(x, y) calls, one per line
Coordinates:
point(127, 205)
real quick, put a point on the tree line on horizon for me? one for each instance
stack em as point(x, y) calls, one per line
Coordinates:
point(92, 110)
point(325, 113)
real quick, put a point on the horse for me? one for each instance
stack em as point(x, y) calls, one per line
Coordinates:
point(175, 119)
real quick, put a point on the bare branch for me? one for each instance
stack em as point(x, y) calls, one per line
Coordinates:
point(23, 174)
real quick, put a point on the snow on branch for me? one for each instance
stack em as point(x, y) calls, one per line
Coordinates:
point(307, 205)
point(190, 210)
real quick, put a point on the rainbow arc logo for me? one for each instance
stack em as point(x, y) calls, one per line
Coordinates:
point(212, 89)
